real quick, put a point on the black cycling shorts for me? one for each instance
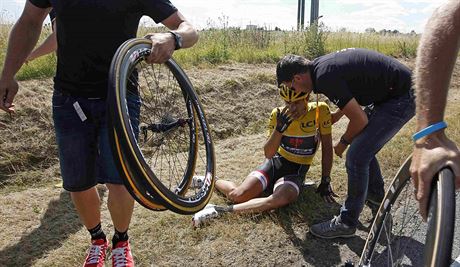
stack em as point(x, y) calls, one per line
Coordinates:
point(278, 167)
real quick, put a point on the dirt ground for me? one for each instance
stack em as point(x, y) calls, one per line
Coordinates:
point(41, 228)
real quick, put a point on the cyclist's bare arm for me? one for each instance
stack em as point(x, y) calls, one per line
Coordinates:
point(326, 154)
point(436, 58)
point(22, 40)
point(272, 144)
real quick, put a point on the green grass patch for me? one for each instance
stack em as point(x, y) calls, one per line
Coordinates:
point(229, 44)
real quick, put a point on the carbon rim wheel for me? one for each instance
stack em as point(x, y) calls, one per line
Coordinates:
point(441, 218)
point(172, 142)
point(398, 235)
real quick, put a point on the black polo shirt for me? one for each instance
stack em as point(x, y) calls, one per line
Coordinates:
point(368, 76)
point(88, 34)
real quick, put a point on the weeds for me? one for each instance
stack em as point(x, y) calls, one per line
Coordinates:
point(220, 44)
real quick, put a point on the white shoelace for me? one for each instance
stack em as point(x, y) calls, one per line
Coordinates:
point(334, 223)
point(118, 257)
point(94, 253)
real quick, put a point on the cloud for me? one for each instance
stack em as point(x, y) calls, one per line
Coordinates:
point(240, 13)
point(357, 15)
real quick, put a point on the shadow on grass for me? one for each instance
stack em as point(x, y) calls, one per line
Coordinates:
point(308, 210)
point(58, 223)
point(407, 248)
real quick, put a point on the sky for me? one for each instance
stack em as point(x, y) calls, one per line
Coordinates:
point(354, 15)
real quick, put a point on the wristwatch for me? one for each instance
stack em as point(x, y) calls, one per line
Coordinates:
point(326, 179)
point(177, 40)
point(343, 141)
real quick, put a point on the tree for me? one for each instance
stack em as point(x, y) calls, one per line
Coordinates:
point(370, 30)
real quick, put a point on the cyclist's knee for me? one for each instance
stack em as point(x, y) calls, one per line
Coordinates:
point(238, 195)
point(278, 201)
point(284, 197)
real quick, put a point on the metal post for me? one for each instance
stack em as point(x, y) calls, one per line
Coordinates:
point(302, 19)
point(314, 12)
point(298, 13)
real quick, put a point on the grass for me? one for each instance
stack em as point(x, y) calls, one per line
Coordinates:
point(228, 44)
point(41, 227)
point(43, 67)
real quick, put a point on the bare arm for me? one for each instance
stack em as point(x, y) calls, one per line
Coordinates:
point(358, 120)
point(180, 25)
point(325, 187)
point(437, 54)
point(48, 46)
point(272, 144)
point(336, 116)
point(22, 40)
point(163, 44)
point(436, 57)
point(326, 155)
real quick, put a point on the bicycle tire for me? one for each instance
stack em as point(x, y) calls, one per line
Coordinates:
point(441, 221)
point(134, 187)
point(440, 215)
point(128, 62)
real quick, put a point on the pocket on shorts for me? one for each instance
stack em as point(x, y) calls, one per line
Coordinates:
point(60, 99)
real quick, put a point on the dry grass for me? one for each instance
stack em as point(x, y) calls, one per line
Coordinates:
point(40, 227)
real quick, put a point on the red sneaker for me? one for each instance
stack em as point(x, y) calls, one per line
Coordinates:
point(121, 255)
point(96, 253)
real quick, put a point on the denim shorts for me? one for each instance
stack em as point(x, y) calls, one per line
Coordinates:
point(83, 142)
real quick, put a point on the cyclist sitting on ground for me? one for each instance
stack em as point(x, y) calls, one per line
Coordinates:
point(295, 132)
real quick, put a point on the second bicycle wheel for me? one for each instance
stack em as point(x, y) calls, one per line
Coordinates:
point(398, 236)
point(172, 142)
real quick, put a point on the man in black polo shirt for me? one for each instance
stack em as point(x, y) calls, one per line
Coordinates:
point(88, 34)
point(352, 78)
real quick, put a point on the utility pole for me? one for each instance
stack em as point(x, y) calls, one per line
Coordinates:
point(314, 12)
point(302, 19)
point(300, 14)
point(299, 5)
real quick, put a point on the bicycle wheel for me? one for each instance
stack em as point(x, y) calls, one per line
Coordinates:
point(441, 218)
point(172, 135)
point(398, 234)
point(135, 187)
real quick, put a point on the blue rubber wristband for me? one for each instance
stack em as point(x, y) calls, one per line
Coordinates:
point(429, 130)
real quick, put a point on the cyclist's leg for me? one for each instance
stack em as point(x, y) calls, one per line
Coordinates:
point(255, 183)
point(283, 195)
point(285, 189)
point(225, 186)
point(250, 188)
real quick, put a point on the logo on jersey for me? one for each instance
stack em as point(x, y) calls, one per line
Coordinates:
point(307, 127)
point(295, 142)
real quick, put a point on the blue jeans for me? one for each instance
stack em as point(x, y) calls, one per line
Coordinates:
point(85, 154)
point(364, 176)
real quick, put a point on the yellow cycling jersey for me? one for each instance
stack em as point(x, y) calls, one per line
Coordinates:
point(300, 140)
